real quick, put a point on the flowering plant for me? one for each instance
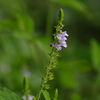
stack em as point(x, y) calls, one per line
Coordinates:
point(61, 37)
point(59, 42)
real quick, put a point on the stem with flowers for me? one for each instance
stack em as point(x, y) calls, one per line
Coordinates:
point(59, 41)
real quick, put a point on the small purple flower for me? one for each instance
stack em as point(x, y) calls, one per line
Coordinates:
point(26, 73)
point(61, 39)
point(62, 36)
point(58, 47)
point(63, 43)
point(29, 97)
point(59, 36)
point(65, 34)
point(51, 45)
point(24, 97)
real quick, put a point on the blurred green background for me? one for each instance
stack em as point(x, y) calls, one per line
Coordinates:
point(26, 28)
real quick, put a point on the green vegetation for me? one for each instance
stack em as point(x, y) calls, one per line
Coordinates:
point(26, 28)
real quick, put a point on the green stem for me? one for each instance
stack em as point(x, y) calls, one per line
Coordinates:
point(46, 76)
point(26, 91)
point(58, 28)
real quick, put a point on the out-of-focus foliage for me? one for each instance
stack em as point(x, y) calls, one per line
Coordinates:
point(26, 29)
point(95, 54)
point(73, 4)
point(5, 94)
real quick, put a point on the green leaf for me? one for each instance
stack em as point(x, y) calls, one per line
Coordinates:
point(1, 98)
point(60, 15)
point(46, 95)
point(34, 97)
point(55, 94)
point(95, 54)
point(6, 94)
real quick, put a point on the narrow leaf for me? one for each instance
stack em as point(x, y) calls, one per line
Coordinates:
point(55, 94)
point(46, 95)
